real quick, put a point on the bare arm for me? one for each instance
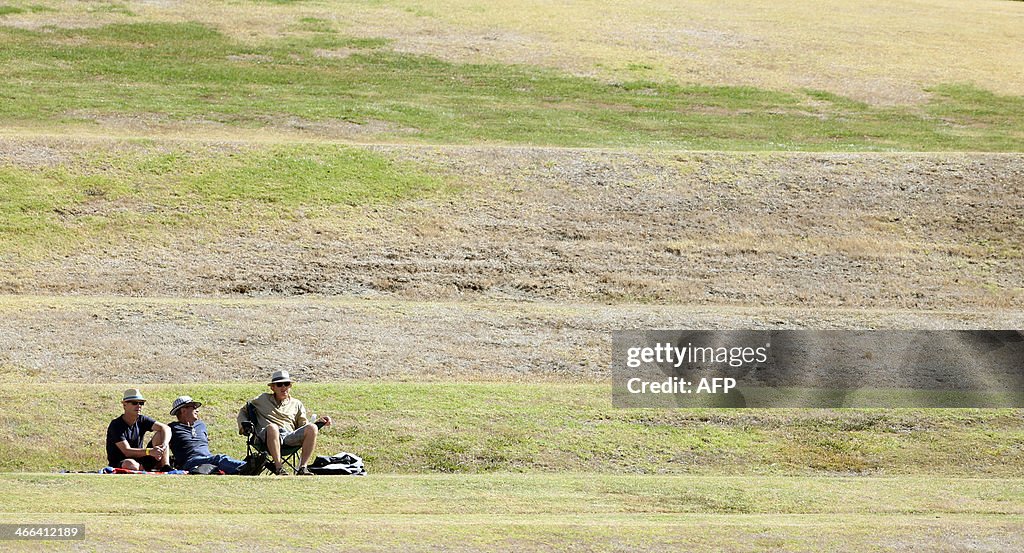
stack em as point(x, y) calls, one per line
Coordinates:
point(161, 439)
point(130, 452)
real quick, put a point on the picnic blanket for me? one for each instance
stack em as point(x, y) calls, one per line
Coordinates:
point(341, 464)
point(112, 470)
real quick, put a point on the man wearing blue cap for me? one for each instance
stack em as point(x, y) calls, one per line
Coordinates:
point(190, 442)
point(125, 437)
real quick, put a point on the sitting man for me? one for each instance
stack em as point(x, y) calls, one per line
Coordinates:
point(190, 442)
point(281, 421)
point(125, 433)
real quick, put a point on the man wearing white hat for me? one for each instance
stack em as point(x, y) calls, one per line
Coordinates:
point(281, 421)
point(125, 437)
point(190, 442)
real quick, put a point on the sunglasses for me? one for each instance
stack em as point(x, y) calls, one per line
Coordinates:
point(137, 402)
point(282, 384)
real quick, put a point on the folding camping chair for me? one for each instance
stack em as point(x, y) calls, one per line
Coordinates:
point(257, 457)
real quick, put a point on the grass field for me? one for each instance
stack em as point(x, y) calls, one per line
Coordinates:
point(550, 427)
point(435, 212)
point(155, 77)
point(184, 218)
point(879, 52)
point(523, 512)
point(145, 191)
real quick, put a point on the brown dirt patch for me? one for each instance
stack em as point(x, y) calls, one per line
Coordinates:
point(175, 340)
point(821, 230)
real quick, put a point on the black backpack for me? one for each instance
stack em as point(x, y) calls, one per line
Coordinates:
point(344, 464)
point(205, 469)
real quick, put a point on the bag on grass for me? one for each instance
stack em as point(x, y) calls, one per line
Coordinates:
point(344, 464)
point(205, 468)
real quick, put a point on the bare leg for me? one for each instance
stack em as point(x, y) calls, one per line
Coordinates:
point(130, 464)
point(308, 443)
point(274, 445)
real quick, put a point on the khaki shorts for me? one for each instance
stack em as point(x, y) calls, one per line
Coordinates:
point(293, 438)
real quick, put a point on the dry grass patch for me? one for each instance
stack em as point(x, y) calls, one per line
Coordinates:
point(880, 52)
point(855, 246)
point(519, 224)
point(91, 339)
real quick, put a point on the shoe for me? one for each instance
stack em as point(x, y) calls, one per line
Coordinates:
point(269, 465)
point(165, 468)
point(303, 471)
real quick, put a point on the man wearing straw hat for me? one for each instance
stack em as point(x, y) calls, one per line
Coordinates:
point(190, 442)
point(125, 437)
point(282, 420)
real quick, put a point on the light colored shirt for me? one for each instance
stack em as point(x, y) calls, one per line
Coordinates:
point(288, 415)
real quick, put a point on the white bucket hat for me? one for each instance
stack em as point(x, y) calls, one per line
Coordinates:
point(182, 401)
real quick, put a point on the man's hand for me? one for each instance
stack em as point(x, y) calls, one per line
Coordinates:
point(157, 452)
point(325, 419)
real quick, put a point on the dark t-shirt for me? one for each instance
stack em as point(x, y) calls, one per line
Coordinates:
point(189, 441)
point(120, 430)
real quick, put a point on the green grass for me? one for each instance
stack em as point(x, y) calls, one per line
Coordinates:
point(187, 72)
point(311, 176)
point(142, 189)
point(482, 428)
point(530, 512)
